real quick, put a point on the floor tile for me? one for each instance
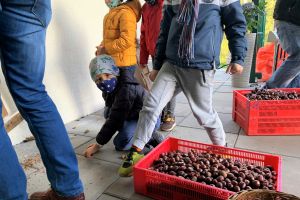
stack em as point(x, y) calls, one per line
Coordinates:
point(291, 175)
point(200, 135)
point(136, 196)
point(222, 102)
point(106, 153)
point(88, 125)
point(229, 125)
point(29, 155)
point(282, 145)
point(221, 75)
point(180, 98)
point(78, 140)
point(107, 197)
point(122, 188)
point(229, 89)
point(96, 176)
point(182, 109)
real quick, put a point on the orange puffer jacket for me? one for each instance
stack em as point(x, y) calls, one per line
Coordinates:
point(119, 32)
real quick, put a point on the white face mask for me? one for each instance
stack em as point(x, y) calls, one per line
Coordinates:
point(113, 3)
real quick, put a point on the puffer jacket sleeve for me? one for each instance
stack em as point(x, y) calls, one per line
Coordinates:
point(119, 112)
point(127, 33)
point(161, 43)
point(235, 29)
point(144, 54)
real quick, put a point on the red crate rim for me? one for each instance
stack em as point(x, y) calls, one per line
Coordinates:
point(156, 150)
point(243, 92)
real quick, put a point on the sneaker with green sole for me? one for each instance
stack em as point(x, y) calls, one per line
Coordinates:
point(126, 169)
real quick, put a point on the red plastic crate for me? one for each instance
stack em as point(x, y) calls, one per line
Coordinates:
point(166, 187)
point(266, 117)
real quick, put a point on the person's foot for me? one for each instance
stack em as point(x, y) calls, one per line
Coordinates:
point(126, 169)
point(168, 123)
point(91, 150)
point(51, 195)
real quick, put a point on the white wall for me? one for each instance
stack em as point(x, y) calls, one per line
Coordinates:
point(74, 31)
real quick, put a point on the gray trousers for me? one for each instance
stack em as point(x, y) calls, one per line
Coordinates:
point(288, 74)
point(196, 85)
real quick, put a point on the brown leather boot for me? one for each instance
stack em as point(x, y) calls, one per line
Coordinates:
point(51, 195)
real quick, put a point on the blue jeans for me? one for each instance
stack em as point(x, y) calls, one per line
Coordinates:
point(288, 75)
point(124, 139)
point(23, 26)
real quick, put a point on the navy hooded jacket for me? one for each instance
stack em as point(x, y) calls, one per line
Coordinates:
point(215, 16)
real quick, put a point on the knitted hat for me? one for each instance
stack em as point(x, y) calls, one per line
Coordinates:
point(103, 64)
point(188, 15)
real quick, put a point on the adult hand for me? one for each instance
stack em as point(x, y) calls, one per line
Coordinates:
point(234, 68)
point(91, 150)
point(153, 74)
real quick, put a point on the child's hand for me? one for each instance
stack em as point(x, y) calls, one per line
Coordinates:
point(100, 50)
point(234, 68)
point(91, 150)
point(142, 66)
point(153, 74)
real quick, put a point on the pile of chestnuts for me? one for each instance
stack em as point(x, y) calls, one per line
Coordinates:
point(264, 94)
point(214, 170)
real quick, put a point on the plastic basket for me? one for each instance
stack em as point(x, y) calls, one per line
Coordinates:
point(262, 195)
point(166, 187)
point(266, 117)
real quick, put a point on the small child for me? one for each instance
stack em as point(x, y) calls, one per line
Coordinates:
point(123, 107)
point(187, 53)
point(151, 18)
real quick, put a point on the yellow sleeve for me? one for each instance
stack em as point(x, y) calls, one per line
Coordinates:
point(127, 34)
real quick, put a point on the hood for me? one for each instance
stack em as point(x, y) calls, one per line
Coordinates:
point(134, 5)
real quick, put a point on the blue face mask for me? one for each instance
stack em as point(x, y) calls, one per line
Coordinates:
point(107, 86)
point(113, 3)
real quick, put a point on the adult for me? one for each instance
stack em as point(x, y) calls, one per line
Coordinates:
point(287, 22)
point(23, 25)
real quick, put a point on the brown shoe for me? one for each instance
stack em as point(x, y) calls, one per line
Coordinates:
point(168, 123)
point(51, 195)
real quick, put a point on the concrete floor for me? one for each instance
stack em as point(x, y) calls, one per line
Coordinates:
point(99, 174)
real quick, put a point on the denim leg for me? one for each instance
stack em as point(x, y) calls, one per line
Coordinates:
point(289, 36)
point(123, 140)
point(170, 107)
point(12, 176)
point(295, 83)
point(22, 38)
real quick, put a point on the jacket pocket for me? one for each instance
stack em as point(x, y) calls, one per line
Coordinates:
point(42, 10)
point(204, 45)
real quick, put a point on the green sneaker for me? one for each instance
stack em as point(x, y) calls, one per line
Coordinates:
point(132, 158)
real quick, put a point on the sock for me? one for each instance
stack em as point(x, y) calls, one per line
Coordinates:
point(135, 149)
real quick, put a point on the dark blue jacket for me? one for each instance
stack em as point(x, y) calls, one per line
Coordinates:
point(214, 17)
point(288, 10)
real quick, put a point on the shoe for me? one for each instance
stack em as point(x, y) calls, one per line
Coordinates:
point(126, 169)
point(52, 195)
point(168, 123)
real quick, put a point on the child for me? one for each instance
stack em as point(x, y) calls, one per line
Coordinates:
point(123, 95)
point(187, 52)
point(151, 18)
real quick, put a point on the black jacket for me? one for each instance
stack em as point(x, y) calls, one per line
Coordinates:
point(288, 10)
point(125, 103)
